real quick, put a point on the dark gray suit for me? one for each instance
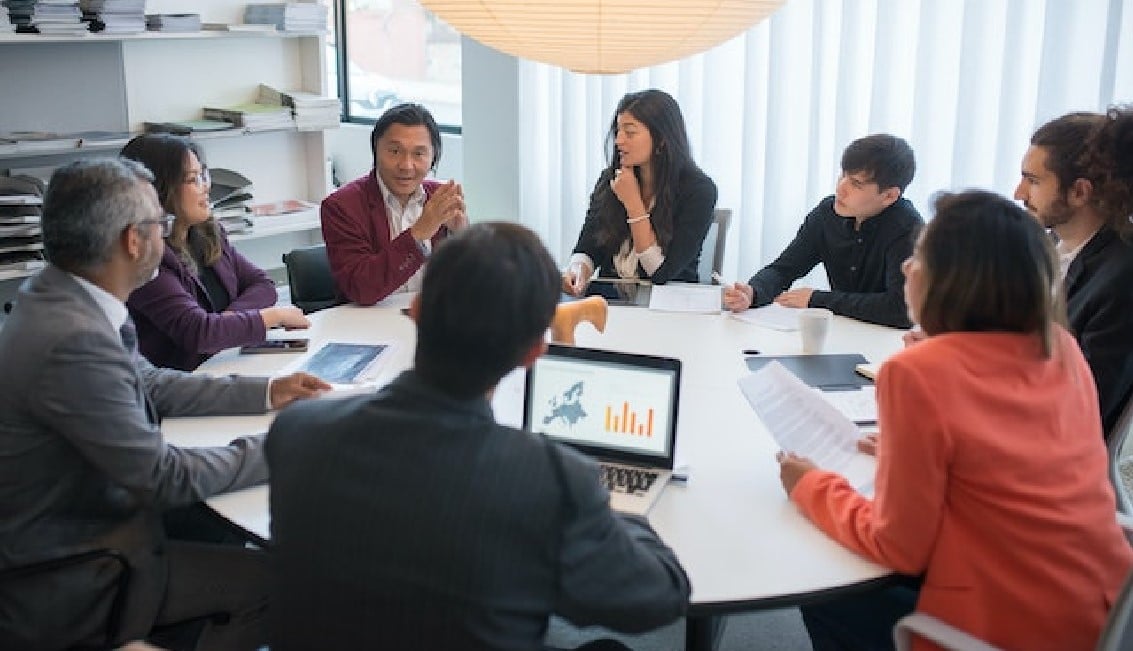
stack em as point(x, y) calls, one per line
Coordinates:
point(1099, 303)
point(410, 520)
point(82, 466)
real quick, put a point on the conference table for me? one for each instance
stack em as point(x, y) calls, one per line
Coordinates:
point(743, 543)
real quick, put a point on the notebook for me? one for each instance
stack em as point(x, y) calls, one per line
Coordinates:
point(823, 372)
point(618, 408)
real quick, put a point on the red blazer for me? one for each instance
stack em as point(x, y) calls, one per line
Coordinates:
point(991, 480)
point(368, 266)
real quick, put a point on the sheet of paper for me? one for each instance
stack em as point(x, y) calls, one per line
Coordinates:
point(686, 297)
point(772, 315)
point(859, 406)
point(802, 422)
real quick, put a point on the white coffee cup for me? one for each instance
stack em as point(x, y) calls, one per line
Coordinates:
point(814, 323)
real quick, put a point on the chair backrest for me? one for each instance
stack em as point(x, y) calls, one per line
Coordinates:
point(311, 283)
point(712, 251)
point(1116, 440)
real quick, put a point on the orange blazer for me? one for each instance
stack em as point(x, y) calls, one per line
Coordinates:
point(992, 482)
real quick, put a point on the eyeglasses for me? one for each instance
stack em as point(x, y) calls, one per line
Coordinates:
point(166, 223)
point(199, 179)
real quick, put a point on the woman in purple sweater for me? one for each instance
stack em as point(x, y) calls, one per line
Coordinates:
point(206, 296)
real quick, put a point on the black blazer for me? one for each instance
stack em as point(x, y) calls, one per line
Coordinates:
point(692, 216)
point(1099, 304)
point(411, 520)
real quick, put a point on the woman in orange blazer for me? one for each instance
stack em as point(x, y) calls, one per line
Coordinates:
point(991, 469)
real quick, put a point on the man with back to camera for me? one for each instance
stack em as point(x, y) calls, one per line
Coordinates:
point(1065, 189)
point(83, 465)
point(415, 521)
point(861, 234)
point(381, 228)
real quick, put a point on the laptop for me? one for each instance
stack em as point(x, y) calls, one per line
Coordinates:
point(618, 408)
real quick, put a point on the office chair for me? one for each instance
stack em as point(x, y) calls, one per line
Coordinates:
point(1117, 634)
point(712, 251)
point(1115, 441)
point(23, 626)
point(308, 275)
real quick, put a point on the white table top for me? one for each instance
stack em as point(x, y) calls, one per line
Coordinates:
point(738, 536)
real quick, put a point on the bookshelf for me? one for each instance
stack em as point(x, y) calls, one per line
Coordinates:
point(117, 82)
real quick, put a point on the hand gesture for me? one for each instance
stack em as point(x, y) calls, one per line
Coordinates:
point(914, 336)
point(288, 317)
point(738, 297)
point(576, 278)
point(868, 444)
point(792, 467)
point(297, 386)
point(444, 206)
point(625, 187)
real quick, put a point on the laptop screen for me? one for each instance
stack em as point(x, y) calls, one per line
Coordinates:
point(609, 404)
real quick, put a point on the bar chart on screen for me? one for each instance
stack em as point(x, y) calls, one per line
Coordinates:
point(623, 420)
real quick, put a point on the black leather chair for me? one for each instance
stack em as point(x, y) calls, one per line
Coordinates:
point(308, 275)
point(34, 620)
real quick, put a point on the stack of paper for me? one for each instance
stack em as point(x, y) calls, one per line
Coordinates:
point(58, 17)
point(253, 116)
point(229, 195)
point(311, 111)
point(21, 240)
point(686, 297)
point(173, 22)
point(288, 16)
point(115, 16)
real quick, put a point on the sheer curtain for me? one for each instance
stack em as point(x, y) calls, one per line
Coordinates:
point(769, 112)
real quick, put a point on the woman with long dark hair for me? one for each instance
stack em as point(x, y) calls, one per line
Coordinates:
point(991, 478)
point(206, 296)
point(652, 205)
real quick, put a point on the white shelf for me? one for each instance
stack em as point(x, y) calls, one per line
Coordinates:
point(259, 231)
point(25, 39)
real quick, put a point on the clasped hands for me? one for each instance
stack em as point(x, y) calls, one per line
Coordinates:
point(741, 296)
point(444, 207)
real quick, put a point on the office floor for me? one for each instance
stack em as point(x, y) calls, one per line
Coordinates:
point(772, 630)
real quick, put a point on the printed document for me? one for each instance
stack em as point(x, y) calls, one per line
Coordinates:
point(685, 297)
point(773, 316)
point(802, 422)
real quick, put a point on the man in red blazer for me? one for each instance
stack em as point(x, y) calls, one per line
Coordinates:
point(381, 228)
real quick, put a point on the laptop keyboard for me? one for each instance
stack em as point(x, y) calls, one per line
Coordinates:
point(619, 479)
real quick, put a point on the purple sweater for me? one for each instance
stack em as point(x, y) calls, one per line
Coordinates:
point(176, 328)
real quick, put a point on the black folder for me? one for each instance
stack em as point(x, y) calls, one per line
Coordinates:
point(824, 372)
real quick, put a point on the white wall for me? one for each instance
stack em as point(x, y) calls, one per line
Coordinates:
point(349, 149)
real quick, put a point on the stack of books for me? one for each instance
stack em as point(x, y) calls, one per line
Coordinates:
point(115, 16)
point(229, 195)
point(21, 240)
point(253, 116)
point(173, 22)
point(288, 16)
point(287, 213)
point(19, 15)
point(311, 112)
point(58, 17)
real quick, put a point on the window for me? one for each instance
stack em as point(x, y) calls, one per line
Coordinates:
point(395, 51)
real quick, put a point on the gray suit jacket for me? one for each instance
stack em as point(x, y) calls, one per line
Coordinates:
point(82, 466)
point(411, 520)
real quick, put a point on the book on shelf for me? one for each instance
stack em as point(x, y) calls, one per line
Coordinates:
point(310, 110)
point(173, 22)
point(10, 244)
point(28, 230)
point(188, 127)
point(288, 16)
point(30, 142)
point(253, 116)
point(278, 208)
point(21, 261)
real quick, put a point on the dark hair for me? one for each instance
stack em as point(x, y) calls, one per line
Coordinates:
point(1064, 140)
point(661, 114)
point(887, 159)
point(86, 207)
point(1109, 166)
point(410, 115)
point(165, 155)
point(488, 294)
point(989, 267)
